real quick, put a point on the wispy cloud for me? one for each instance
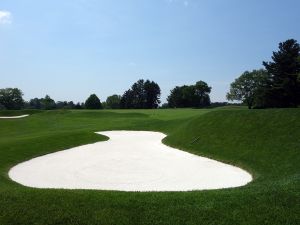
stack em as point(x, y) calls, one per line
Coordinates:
point(5, 17)
point(184, 2)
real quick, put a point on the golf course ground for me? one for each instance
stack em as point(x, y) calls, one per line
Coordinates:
point(265, 143)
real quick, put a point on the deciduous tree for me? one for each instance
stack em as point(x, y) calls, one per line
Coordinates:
point(11, 98)
point(248, 86)
point(142, 95)
point(47, 103)
point(113, 102)
point(93, 102)
point(190, 96)
point(152, 94)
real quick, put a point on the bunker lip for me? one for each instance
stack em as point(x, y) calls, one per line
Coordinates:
point(13, 117)
point(128, 161)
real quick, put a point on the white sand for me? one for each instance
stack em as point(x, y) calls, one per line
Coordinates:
point(13, 117)
point(129, 161)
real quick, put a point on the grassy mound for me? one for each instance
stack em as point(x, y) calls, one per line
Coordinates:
point(265, 142)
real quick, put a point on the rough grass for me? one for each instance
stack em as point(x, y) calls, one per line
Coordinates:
point(265, 142)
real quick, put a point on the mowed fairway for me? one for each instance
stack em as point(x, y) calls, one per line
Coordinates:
point(264, 142)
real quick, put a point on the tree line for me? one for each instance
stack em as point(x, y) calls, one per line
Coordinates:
point(141, 95)
point(276, 85)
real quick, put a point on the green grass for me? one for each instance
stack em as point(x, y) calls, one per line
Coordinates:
point(265, 142)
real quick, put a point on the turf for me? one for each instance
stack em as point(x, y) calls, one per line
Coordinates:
point(265, 142)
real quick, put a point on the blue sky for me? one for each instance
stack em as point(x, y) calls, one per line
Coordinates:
point(72, 48)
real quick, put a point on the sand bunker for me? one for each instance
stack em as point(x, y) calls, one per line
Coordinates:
point(13, 117)
point(129, 161)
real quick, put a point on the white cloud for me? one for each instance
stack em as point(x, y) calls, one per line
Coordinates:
point(5, 17)
point(184, 2)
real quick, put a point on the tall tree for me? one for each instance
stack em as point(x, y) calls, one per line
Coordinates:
point(113, 102)
point(202, 91)
point(188, 96)
point(93, 102)
point(11, 98)
point(248, 86)
point(175, 97)
point(139, 95)
point(143, 94)
point(127, 100)
point(284, 73)
point(152, 94)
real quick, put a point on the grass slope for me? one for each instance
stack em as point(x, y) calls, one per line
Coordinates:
point(265, 142)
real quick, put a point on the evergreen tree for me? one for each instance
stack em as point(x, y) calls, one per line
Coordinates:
point(284, 73)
